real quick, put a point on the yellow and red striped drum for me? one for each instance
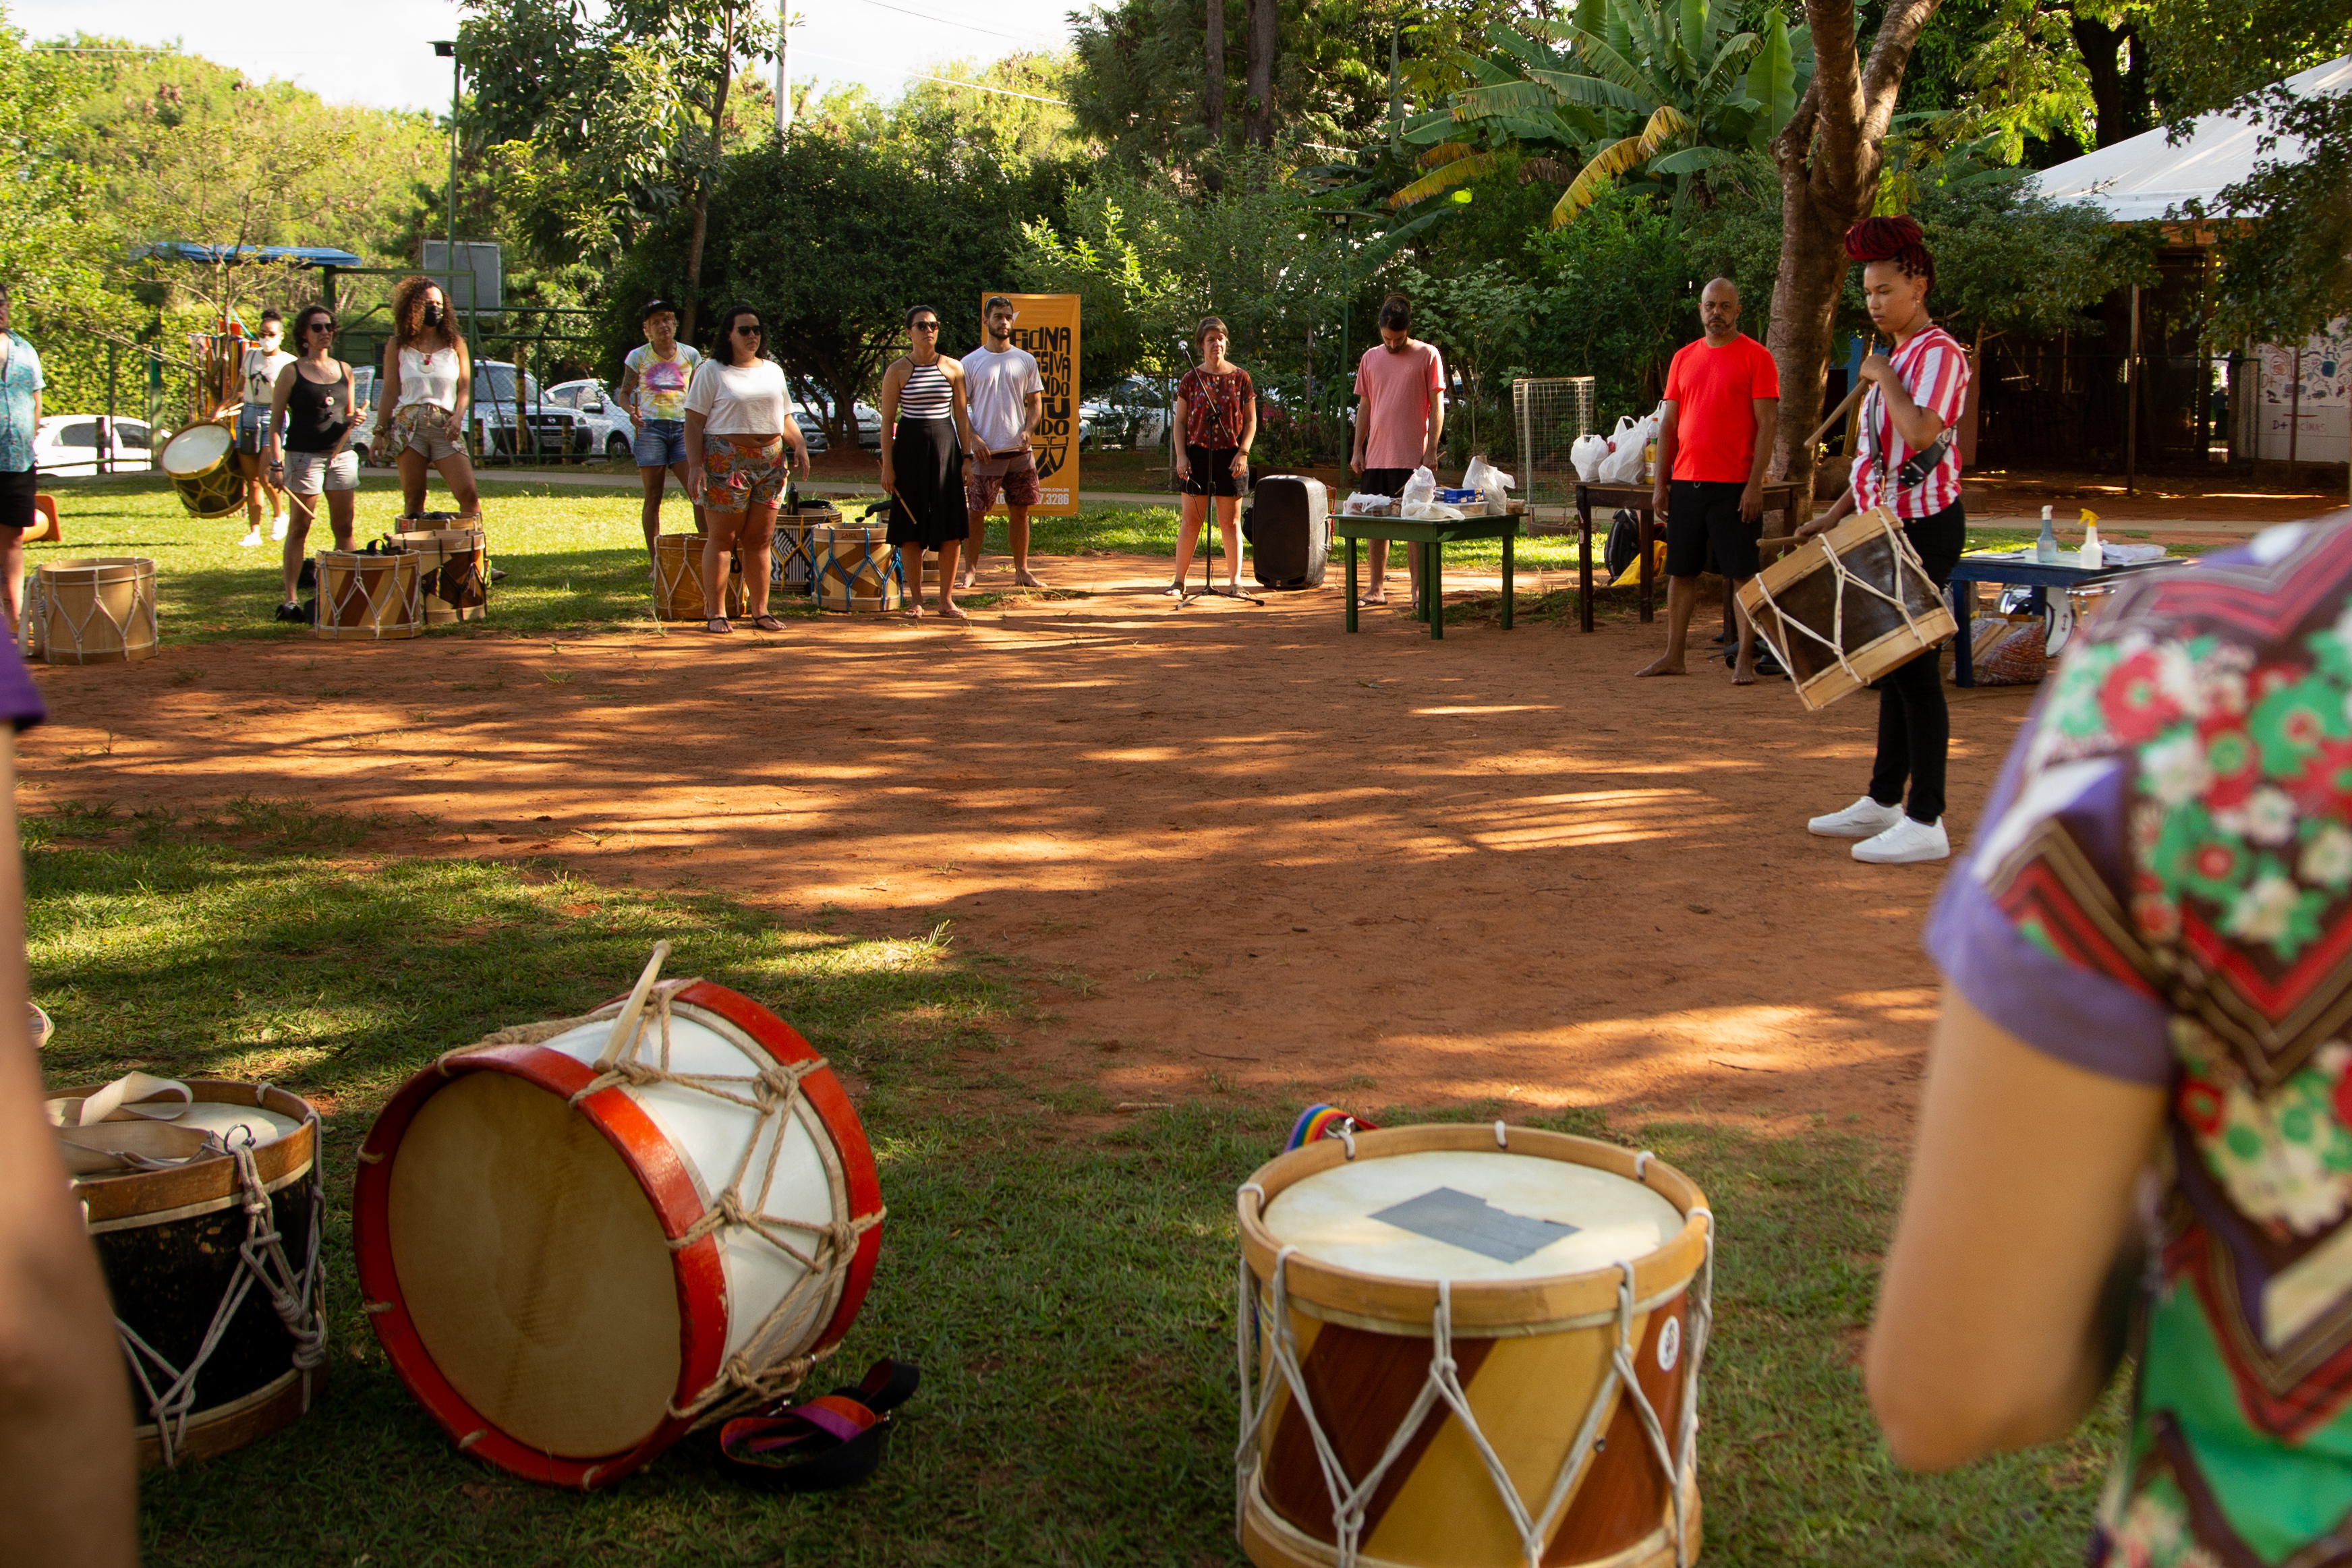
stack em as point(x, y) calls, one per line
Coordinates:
point(1471, 1346)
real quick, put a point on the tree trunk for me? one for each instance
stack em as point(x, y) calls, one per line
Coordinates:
point(1829, 157)
point(1213, 87)
point(2119, 97)
point(703, 179)
point(1257, 116)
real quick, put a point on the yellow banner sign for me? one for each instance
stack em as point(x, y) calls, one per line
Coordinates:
point(1048, 326)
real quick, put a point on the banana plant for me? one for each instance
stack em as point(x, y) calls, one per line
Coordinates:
point(1655, 91)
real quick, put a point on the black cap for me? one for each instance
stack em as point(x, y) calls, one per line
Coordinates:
point(655, 307)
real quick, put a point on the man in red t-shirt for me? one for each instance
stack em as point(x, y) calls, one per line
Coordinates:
point(1722, 406)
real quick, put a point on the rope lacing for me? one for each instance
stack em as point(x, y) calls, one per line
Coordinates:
point(1349, 1502)
point(298, 1297)
point(1905, 556)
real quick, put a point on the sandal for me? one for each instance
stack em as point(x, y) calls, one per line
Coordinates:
point(718, 624)
point(766, 624)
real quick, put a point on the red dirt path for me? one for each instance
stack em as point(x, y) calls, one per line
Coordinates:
point(1260, 856)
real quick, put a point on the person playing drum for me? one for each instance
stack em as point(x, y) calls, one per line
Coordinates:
point(314, 403)
point(2138, 1122)
point(427, 386)
point(1907, 462)
point(258, 378)
point(742, 448)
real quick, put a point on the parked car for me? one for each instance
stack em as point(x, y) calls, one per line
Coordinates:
point(813, 430)
point(1132, 414)
point(490, 423)
point(611, 430)
point(71, 442)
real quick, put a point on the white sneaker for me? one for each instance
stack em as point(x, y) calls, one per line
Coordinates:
point(278, 531)
point(250, 540)
point(1907, 842)
point(1865, 818)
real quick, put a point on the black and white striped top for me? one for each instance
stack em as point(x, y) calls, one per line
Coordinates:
point(926, 394)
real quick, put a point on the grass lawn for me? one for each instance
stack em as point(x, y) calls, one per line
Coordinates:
point(1065, 1280)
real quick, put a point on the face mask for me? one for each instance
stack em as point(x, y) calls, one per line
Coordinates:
point(270, 341)
point(433, 314)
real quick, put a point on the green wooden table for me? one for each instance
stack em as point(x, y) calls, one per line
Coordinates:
point(1433, 539)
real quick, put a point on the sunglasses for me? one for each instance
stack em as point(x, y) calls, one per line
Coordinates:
point(319, 326)
point(752, 331)
point(923, 327)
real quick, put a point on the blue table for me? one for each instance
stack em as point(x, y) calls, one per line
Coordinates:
point(2020, 568)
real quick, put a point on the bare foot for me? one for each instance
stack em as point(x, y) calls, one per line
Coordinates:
point(963, 583)
point(1663, 666)
point(914, 610)
point(1174, 591)
point(1029, 579)
point(1744, 674)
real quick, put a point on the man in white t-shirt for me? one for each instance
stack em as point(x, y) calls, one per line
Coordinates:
point(1005, 397)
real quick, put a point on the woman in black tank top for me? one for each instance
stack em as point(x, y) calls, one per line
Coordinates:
point(314, 403)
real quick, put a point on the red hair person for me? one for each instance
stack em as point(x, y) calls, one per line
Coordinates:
point(1906, 462)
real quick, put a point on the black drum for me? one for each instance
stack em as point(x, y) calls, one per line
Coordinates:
point(231, 1237)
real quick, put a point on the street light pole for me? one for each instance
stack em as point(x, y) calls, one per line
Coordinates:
point(447, 48)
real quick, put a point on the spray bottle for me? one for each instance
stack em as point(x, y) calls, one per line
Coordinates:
point(2045, 549)
point(2093, 554)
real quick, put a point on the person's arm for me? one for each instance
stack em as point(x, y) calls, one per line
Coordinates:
point(1249, 428)
point(1669, 437)
point(1917, 426)
point(699, 398)
point(1035, 403)
point(279, 393)
point(462, 399)
point(959, 407)
point(387, 396)
point(1176, 417)
point(793, 437)
point(69, 1484)
point(1768, 426)
point(1437, 419)
point(628, 395)
point(1989, 1336)
point(894, 381)
point(1363, 428)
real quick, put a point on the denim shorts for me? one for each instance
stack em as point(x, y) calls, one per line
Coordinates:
point(252, 428)
point(660, 443)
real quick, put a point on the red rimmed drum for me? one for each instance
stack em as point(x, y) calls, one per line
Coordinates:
point(579, 1240)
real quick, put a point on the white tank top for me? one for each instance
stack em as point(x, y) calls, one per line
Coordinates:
point(428, 378)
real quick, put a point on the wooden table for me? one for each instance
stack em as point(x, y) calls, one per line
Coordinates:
point(2020, 568)
point(1784, 497)
point(1432, 539)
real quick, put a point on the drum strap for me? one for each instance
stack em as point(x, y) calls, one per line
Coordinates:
point(298, 1297)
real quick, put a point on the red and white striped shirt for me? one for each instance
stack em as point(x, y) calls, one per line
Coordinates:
point(1934, 369)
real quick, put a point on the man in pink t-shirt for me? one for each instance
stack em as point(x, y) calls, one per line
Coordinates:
point(1721, 409)
point(1399, 415)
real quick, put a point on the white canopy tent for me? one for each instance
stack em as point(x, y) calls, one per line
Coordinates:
point(2300, 402)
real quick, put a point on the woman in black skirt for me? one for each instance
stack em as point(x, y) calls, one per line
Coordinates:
point(922, 462)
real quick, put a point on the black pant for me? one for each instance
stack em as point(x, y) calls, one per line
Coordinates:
point(1915, 728)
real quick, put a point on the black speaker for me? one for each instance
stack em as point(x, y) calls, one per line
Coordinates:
point(1288, 525)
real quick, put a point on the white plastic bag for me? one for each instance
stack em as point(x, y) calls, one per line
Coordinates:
point(1623, 463)
point(1365, 504)
point(1486, 479)
point(1422, 487)
point(1586, 455)
point(1430, 512)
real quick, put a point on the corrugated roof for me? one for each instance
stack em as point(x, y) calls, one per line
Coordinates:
point(2147, 177)
point(300, 254)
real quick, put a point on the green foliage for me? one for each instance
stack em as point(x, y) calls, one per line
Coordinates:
point(1617, 295)
point(54, 250)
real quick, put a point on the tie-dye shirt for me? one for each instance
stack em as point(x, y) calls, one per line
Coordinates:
point(662, 383)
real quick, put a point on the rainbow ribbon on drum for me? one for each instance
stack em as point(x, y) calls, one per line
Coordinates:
point(1325, 1122)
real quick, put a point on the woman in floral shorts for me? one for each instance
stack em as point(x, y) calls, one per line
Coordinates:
point(737, 430)
point(2138, 1126)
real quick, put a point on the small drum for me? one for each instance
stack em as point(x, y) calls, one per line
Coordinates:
point(1471, 1347)
point(204, 1201)
point(452, 565)
point(677, 579)
point(578, 1241)
point(856, 568)
point(793, 559)
point(98, 612)
point(202, 461)
point(369, 598)
point(1845, 607)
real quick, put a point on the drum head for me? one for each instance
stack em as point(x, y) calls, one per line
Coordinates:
point(533, 1268)
point(1444, 1214)
point(196, 448)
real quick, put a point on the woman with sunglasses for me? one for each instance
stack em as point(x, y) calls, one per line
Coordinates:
point(314, 404)
point(737, 435)
point(428, 384)
point(922, 462)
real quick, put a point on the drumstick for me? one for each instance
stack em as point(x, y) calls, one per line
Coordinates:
point(1838, 412)
point(624, 1028)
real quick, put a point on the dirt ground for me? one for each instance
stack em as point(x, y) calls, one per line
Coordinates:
point(1246, 853)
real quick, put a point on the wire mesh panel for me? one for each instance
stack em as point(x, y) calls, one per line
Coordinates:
point(1551, 412)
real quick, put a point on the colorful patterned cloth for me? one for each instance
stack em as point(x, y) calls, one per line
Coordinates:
point(660, 392)
point(1216, 408)
point(744, 471)
point(2161, 891)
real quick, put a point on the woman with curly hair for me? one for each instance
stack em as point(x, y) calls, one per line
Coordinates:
point(741, 447)
point(1908, 463)
point(428, 382)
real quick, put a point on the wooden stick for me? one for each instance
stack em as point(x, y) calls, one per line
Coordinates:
point(625, 1026)
point(1859, 387)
